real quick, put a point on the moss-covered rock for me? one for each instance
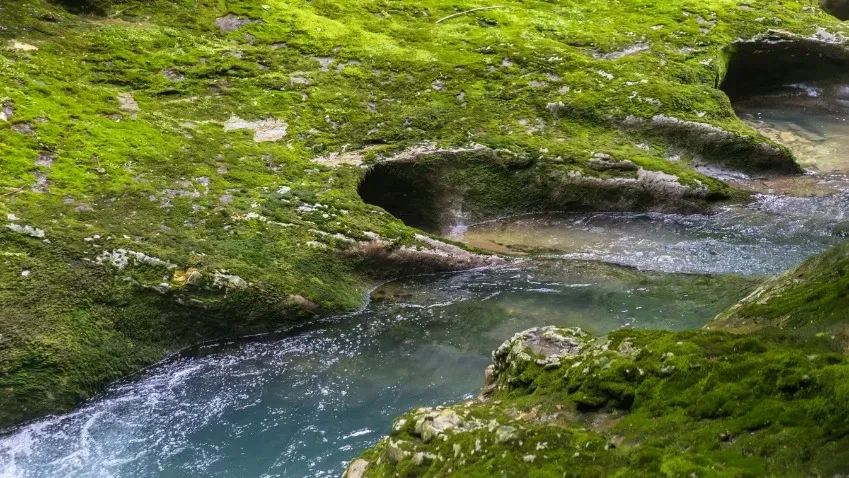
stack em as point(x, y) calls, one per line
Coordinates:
point(560, 402)
point(175, 171)
point(809, 300)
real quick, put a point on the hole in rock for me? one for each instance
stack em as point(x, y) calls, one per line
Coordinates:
point(787, 67)
point(795, 92)
point(408, 191)
point(838, 8)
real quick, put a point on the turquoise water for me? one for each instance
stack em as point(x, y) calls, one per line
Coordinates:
point(768, 236)
point(304, 404)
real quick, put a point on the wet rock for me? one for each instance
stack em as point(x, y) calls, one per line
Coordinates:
point(838, 8)
point(356, 469)
point(127, 103)
point(229, 23)
point(840, 230)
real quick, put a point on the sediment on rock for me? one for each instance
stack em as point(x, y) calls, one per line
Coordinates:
point(426, 255)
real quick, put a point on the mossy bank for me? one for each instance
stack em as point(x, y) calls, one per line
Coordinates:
point(767, 400)
point(176, 171)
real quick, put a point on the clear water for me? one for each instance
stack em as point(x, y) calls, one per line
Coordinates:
point(772, 234)
point(789, 219)
point(304, 404)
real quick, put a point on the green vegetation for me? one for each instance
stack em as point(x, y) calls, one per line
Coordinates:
point(181, 170)
point(812, 299)
point(636, 403)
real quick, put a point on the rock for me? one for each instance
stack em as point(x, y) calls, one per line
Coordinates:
point(7, 111)
point(421, 456)
point(264, 130)
point(433, 422)
point(356, 469)
point(841, 229)
point(26, 230)
point(229, 23)
point(717, 144)
point(430, 256)
point(23, 128)
point(45, 160)
point(173, 74)
point(838, 8)
point(505, 433)
point(16, 45)
point(394, 452)
point(605, 162)
point(127, 103)
point(544, 346)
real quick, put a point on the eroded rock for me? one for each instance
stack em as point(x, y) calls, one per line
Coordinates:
point(230, 22)
point(838, 8)
point(264, 130)
point(545, 346)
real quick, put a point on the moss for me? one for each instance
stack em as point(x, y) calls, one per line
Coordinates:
point(117, 141)
point(809, 300)
point(643, 403)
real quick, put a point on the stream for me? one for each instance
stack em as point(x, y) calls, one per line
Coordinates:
point(305, 402)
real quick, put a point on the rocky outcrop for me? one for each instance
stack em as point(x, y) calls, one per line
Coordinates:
point(809, 300)
point(738, 151)
point(560, 402)
point(427, 255)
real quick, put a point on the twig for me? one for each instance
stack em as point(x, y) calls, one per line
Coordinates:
point(467, 11)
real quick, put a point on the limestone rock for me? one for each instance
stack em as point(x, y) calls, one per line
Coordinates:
point(356, 469)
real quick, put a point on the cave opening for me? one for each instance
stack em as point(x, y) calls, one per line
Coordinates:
point(409, 191)
point(782, 66)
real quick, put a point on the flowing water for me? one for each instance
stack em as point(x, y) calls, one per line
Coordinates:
point(772, 234)
point(307, 401)
point(304, 404)
point(789, 219)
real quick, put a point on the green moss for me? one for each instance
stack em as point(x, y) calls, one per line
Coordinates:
point(812, 299)
point(639, 403)
point(116, 140)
